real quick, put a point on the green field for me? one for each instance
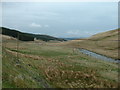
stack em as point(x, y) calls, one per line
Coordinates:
point(41, 64)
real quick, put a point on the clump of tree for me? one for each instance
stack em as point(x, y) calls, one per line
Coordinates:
point(27, 36)
point(48, 38)
point(24, 37)
point(16, 34)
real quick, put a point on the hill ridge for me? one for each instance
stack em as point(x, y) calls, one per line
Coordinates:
point(27, 36)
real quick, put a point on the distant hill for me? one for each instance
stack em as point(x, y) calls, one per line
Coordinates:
point(111, 35)
point(27, 36)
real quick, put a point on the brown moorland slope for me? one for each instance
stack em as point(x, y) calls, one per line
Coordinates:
point(105, 43)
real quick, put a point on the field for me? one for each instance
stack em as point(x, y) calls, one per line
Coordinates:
point(41, 64)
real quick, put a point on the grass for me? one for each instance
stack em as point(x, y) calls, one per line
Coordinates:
point(54, 65)
point(15, 74)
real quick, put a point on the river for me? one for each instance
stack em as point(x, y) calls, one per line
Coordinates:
point(98, 56)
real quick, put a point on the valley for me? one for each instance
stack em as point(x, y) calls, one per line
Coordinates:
point(55, 64)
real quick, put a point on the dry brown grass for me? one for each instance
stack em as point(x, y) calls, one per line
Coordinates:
point(74, 79)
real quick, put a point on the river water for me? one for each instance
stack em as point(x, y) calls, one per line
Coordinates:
point(98, 56)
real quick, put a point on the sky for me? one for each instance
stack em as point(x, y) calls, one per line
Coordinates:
point(61, 19)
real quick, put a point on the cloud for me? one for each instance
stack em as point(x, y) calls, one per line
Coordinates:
point(78, 33)
point(66, 19)
point(36, 25)
point(50, 13)
point(46, 25)
point(88, 33)
point(73, 32)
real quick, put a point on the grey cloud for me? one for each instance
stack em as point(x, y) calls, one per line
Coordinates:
point(59, 18)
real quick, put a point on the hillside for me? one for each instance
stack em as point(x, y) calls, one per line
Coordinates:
point(27, 36)
point(109, 35)
point(105, 43)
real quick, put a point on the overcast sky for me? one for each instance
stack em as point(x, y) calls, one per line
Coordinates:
point(61, 19)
